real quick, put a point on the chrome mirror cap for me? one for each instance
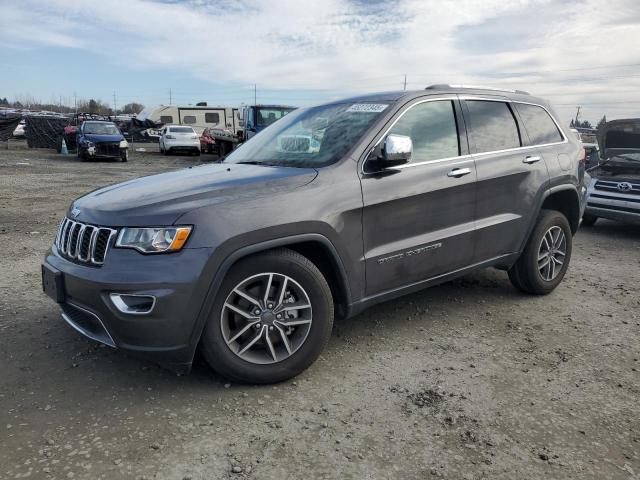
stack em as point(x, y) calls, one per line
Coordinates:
point(397, 148)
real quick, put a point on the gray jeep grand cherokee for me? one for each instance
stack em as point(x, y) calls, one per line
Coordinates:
point(326, 212)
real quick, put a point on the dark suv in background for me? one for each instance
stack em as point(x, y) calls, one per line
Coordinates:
point(328, 211)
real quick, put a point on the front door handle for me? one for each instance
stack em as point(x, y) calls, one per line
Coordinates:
point(459, 172)
point(532, 159)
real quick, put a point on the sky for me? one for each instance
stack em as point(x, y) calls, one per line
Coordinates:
point(302, 53)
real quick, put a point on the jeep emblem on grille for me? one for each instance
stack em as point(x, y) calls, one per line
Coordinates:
point(624, 186)
point(75, 211)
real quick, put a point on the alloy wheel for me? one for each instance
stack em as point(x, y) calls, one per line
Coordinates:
point(266, 318)
point(552, 253)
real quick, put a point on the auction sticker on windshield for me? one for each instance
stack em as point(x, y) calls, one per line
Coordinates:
point(367, 107)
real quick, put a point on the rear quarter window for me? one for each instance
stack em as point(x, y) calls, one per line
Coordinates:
point(539, 124)
point(493, 126)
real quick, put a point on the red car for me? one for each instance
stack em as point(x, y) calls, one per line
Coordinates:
point(207, 143)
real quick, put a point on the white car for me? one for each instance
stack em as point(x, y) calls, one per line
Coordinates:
point(175, 138)
point(19, 131)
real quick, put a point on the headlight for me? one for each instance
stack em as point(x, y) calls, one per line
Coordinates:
point(153, 240)
point(123, 144)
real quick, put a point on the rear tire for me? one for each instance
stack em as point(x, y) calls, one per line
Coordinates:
point(308, 325)
point(545, 259)
point(588, 220)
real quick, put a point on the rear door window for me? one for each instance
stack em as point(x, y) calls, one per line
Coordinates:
point(539, 124)
point(432, 128)
point(493, 126)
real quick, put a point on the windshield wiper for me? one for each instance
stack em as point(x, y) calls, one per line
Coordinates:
point(254, 162)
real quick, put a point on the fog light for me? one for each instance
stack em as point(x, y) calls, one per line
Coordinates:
point(133, 304)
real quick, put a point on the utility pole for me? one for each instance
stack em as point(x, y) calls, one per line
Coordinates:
point(170, 97)
point(115, 104)
point(75, 103)
point(405, 82)
point(577, 115)
point(255, 95)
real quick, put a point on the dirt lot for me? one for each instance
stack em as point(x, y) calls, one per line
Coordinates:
point(467, 380)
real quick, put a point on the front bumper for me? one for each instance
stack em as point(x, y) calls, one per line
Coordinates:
point(99, 151)
point(166, 334)
point(605, 201)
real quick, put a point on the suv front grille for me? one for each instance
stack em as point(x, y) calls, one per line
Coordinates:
point(83, 242)
point(609, 186)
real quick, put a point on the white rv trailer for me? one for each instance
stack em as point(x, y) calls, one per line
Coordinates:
point(198, 117)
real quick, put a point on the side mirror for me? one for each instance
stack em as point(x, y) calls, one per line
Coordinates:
point(395, 150)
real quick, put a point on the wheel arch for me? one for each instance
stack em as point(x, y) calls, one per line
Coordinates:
point(566, 200)
point(316, 247)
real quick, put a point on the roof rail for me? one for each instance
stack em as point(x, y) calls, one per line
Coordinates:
point(444, 86)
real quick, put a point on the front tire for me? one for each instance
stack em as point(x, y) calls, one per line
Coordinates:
point(588, 220)
point(545, 259)
point(271, 319)
point(124, 156)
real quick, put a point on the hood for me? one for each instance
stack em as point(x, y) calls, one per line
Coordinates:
point(160, 199)
point(620, 137)
point(92, 137)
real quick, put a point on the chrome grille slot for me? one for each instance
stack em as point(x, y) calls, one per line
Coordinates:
point(83, 242)
point(84, 254)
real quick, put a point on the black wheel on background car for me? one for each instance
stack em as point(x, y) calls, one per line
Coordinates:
point(545, 259)
point(588, 220)
point(81, 156)
point(271, 319)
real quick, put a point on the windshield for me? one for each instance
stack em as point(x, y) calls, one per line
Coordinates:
point(181, 130)
point(266, 116)
point(101, 129)
point(312, 137)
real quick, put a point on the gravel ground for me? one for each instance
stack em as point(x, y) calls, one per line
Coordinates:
point(467, 380)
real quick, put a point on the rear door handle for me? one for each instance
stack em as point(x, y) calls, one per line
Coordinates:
point(532, 159)
point(459, 172)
